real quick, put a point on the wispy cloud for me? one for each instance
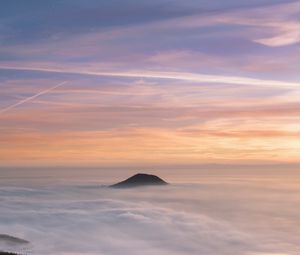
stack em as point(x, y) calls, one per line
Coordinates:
point(275, 25)
point(192, 77)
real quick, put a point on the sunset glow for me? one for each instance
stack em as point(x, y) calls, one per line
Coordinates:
point(138, 127)
point(134, 93)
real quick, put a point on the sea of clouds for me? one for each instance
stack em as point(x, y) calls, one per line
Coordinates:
point(230, 217)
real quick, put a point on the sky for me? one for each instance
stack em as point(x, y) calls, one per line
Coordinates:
point(121, 83)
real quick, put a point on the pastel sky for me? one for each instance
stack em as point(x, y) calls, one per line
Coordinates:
point(116, 83)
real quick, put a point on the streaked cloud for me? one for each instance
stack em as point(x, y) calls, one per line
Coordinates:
point(191, 77)
point(278, 25)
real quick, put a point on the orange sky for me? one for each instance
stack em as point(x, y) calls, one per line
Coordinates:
point(143, 123)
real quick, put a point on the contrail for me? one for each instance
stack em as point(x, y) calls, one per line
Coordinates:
point(190, 77)
point(31, 98)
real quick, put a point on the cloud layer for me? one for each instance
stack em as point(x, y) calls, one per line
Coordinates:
point(247, 215)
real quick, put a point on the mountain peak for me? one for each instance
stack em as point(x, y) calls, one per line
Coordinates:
point(140, 179)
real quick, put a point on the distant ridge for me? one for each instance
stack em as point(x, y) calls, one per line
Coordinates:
point(8, 253)
point(8, 240)
point(12, 240)
point(139, 180)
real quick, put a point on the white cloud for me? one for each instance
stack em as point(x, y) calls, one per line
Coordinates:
point(117, 227)
point(275, 25)
point(206, 219)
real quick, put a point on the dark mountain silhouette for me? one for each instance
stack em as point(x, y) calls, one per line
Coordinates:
point(140, 180)
point(8, 253)
point(12, 240)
